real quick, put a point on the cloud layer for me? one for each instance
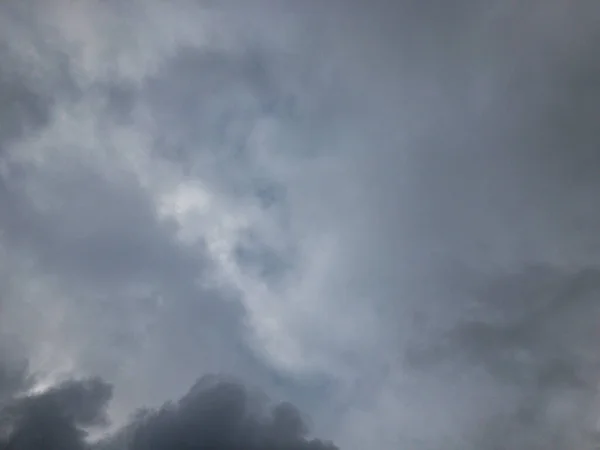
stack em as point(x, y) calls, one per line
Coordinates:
point(382, 212)
point(216, 413)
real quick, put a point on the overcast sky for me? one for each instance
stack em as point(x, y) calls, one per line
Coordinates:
point(383, 212)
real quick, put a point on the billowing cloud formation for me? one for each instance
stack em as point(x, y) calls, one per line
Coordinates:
point(190, 187)
point(215, 413)
point(54, 419)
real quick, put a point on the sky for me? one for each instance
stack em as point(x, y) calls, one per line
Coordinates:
point(318, 224)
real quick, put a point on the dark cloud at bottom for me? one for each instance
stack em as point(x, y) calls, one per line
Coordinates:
point(56, 418)
point(217, 413)
point(537, 333)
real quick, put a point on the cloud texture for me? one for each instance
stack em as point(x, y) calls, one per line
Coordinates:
point(216, 413)
point(383, 212)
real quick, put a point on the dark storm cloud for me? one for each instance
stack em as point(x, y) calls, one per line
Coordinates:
point(56, 418)
point(218, 413)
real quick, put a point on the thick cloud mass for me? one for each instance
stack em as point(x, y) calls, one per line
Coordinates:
point(215, 413)
point(382, 211)
point(55, 418)
point(218, 413)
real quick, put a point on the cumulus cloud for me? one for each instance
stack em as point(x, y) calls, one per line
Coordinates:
point(55, 418)
point(217, 412)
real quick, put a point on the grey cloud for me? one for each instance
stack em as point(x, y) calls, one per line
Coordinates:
point(477, 184)
point(105, 235)
point(23, 108)
point(218, 413)
point(99, 230)
point(55, 418)
point(387, 184)
point(258, 258)
point(207, 104)
point(14, 378)
point(536, 333)
point(95, 232)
